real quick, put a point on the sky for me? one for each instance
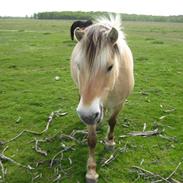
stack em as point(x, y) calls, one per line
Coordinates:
point(147, 7)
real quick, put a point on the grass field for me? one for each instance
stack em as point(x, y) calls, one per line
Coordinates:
point(33, 52)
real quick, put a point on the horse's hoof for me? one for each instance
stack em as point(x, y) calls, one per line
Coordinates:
point(110, 145)
point(91, 178)
point(109, 148)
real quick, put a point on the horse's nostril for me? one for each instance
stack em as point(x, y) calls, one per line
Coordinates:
point(96, 115)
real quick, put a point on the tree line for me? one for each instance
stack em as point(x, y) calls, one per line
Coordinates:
point(69, 15)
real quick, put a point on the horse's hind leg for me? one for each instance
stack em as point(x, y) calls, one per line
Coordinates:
point(110, 143)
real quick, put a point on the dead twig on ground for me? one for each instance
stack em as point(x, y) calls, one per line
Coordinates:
point(2, 170)
point(169, 110)
point(170, 176)
point(175, 181)
point(58, 153)
point(171, 139)
point(108, 161)
point(155, 132)
point(36, 177)
point(36, 145)
point(149, 173)
point(48, 161)
point(114, 155)
point(43, 152)
point(21, 133)
point(46, 139)
point(145, 126)
point(57, 178)
point(6, 158)
point(64, 136)
point(70, 160)
point(83, 132)
point(138, 177)
point(4, 149)
point(50, 119)
point(38, 149)
point(145, 133)
point(168, 179)
point(66, 148)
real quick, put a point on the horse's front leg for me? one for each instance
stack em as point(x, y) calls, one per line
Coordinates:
point(110, 143)
point(91, 175)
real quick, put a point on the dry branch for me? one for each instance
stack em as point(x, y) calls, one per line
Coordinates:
point(83, 132)
point(170, 176)
point(145, 126)
point(58, 153)
point(38, 149)
point(114, 155)
point(171, 139)
point(57, 178)
point(145, 133)
point(148, 173)
point(64, 136)
point(4, 149)
point(162, 117)
point(66, 148)
point(150, 133)
point(142, 133)
point(36, 177)
point(169, 110)
point(50, 119)
point(168, 179)
point(6, 158)
point(70, 161)
point(36, 145)
point(21, 133)
point(41, 162)
point(175, 181)
point(109, 160)
point(2, 170)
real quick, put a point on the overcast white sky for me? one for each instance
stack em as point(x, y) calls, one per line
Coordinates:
point(149, 7)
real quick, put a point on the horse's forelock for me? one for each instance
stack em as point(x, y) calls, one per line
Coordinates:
point(94, 44)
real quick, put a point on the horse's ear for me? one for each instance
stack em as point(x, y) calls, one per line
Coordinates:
point(113, 35)
point(78, 33)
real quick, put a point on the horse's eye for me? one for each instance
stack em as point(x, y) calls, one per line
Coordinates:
point(109, 68)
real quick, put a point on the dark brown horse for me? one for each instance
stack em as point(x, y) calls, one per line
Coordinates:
point(80, 24)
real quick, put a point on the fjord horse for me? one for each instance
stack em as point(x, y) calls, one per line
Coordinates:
point(80, 24)
point(102, 68)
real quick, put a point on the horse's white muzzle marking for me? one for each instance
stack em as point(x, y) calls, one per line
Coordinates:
point(90, 114)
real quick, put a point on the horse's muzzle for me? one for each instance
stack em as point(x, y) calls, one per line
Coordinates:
point(92, 118)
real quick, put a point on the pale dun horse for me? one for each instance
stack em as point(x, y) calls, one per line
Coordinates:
point(102, 68)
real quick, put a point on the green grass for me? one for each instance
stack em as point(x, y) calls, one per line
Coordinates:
point(33, 52)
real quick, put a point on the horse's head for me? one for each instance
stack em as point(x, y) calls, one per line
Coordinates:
point(94, 69)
